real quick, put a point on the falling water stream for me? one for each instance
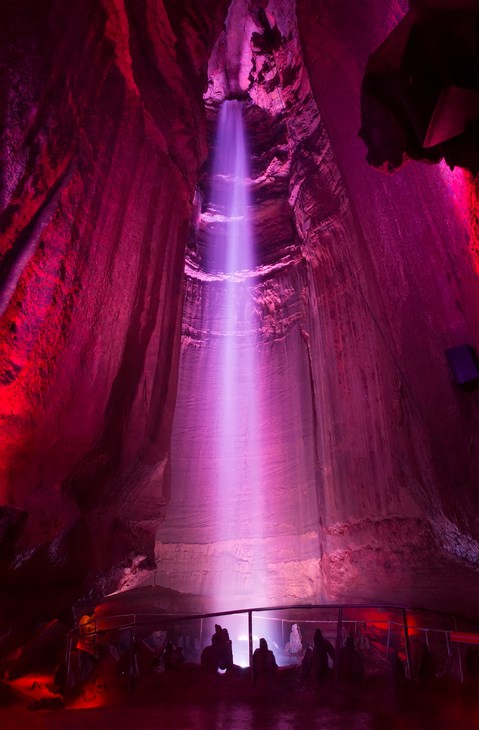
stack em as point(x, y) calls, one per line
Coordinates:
point(238, 487)
point(241, 524)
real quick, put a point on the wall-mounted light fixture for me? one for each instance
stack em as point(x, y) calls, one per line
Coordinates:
point(464, 365)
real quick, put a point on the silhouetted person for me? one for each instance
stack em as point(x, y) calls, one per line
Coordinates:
point(224, 648)
point(173, 657)
point(472, 663)
point(351, 662)
point(209, 659)
point(315, 665)
point(219, 655)
point(398, 673)
point(427, 667)
point(264, 661)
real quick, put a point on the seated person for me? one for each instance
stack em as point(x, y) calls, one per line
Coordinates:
point(225, 648)
point(264, 661)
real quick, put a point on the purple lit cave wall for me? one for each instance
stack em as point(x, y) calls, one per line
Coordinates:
point(279, 429)
point(361, 282)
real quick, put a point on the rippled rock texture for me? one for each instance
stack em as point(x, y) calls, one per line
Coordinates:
point(102, 136)
point(370, 452)
point(359, 299)
point(414, 283)
point(369, 465)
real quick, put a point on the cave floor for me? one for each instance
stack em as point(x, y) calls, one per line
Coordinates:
point(228, 715)
point(370, 708)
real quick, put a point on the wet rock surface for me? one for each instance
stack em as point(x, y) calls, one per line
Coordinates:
point(375, 707)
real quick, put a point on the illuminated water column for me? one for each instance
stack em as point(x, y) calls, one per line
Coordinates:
point(231, 255)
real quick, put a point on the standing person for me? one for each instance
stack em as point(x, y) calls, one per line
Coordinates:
point(315, 665)
point(219, 655)
point(351, 661)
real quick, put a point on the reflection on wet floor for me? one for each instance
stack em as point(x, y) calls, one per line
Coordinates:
point(261, 714)
point(223, 716)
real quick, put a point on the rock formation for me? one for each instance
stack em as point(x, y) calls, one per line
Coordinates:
point(420, 94)
point(103, 133)
point(358, 300)
point(363, 281)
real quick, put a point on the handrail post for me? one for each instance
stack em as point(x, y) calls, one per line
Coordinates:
point(68, 660)
point(132, 655)
point(338, 645)
point(461, 673)
point(407, 645)
point(250, 645)
point(448, 646)
point(95, 638)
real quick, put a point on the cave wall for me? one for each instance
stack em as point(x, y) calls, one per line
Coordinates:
point(102, 135)
point(366, 280)
point(416, 274)
point(384, 280)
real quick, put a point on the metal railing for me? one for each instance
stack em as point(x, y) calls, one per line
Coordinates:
point(90, 631)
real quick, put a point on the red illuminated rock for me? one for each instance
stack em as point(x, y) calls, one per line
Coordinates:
point(102, 134)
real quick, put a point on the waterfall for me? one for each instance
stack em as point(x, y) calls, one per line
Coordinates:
point(237, 468)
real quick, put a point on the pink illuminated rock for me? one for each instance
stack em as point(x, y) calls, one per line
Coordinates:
point(360, 443)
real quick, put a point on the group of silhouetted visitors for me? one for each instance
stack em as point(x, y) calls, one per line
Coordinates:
point(317, 663)
point(219, 655)
point(320, 660)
